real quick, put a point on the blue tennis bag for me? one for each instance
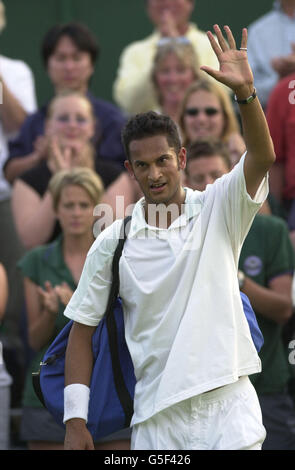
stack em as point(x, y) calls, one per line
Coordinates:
point(112, 382)
point(255, 331)
point(107, 414)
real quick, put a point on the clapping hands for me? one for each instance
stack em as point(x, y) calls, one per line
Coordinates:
point(64, 157)
point(285, 65)
point(51, 296)
point(167, 25)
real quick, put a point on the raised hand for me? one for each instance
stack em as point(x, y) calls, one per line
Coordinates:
point(234, 69)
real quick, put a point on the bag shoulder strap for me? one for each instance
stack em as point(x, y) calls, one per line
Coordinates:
point(121, 388)
point(115, 266)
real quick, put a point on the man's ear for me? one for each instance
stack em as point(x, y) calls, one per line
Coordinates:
point(129, 168)
point(182, 158)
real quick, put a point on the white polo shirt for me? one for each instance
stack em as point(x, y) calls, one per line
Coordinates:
point(184, 321)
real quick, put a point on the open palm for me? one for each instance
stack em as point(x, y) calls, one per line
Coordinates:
point(234, 69)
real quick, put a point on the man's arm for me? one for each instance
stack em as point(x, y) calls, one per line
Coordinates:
point(235, 72)
point(273, 302)
point(277, 180)
point(18, 90)
point(78, 370)
point(3, 290)
point(11, 111)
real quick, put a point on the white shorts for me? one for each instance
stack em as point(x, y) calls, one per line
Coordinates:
point(228, 418)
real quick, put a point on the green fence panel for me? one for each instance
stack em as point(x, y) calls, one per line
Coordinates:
point(115, 23)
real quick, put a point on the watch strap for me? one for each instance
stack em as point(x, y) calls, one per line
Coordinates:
point(247, 100)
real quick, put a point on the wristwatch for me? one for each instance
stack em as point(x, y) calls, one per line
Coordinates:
point(241, 279)
point(247, 100)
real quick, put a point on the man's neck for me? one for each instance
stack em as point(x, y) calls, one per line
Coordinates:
point(180, 30)
point(75, 245)
point(172, 110)
point(288, 7)
point(162, 215)
point(183, 29)
point(83, 90)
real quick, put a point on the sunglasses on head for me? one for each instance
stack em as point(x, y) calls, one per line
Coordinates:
point(209, 111)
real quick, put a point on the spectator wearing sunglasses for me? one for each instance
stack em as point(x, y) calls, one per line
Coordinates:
point(207, 111)
point(175, 68)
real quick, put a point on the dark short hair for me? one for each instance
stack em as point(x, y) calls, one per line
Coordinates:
point(208, 148)
point(81, 36)
point(150, 124)
point(147, 1)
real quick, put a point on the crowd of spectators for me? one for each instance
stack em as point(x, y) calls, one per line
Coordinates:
point(62, 159)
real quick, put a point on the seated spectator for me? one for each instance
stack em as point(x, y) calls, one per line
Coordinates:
point(133, 88)
point(265, 273)
point(5, 379)
point(271, 47)
point(51, 274)
point(69, 131)
point(175, 67)
point(280, 115)
point(208, 112)
point(69, 53)
point(17, 101)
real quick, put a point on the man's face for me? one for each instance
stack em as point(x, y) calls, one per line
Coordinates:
point(204, 170)
point(68, 67)
point(180, 10)
point(157, 169)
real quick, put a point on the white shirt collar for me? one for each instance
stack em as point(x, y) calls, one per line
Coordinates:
point(193, 204)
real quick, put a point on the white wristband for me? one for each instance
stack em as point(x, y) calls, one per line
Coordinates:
point(76, 400)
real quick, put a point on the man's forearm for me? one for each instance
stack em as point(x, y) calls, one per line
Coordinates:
point(273, 305)
point(255, 129)
point(18, 165)
point(277, 180)
point(260, 150)
point(78, 370)
point(79, 357)
point(11, 111)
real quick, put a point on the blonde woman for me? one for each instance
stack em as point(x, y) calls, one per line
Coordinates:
point(69, 134)
point(207, 111)
point(175, 67)
point(51, 274)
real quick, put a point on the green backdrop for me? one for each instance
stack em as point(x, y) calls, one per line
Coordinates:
point(116, 23)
